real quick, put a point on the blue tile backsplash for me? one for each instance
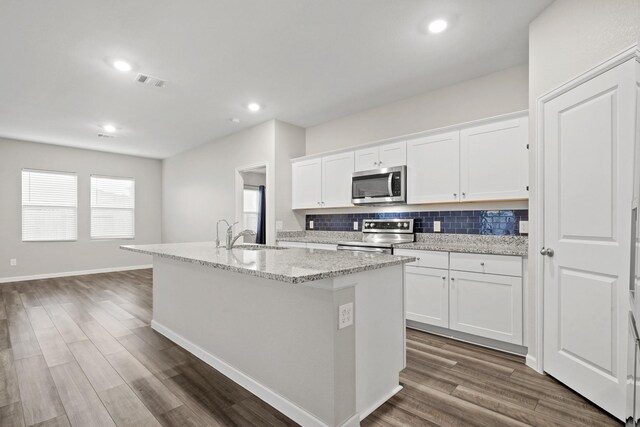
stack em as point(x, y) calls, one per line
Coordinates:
point(498, 222)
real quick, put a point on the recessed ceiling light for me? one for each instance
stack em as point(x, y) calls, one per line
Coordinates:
point(438, 26)
point(234, 120)
point(109, 128)
point(120, 65)
point(254, 107)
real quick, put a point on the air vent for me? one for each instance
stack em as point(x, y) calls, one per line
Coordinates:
point(150, 80)
point(104, 135)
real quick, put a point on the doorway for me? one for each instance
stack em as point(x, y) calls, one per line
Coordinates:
point(253, 203)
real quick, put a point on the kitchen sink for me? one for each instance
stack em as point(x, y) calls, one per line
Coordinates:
point(248, 247)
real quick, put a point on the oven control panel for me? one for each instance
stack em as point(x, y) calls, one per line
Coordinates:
point(387, 225)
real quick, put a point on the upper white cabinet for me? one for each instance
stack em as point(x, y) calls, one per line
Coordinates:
point(494, 161)
point(306, 185)
point(336, 180)
point(433, 169)
point(382, 156)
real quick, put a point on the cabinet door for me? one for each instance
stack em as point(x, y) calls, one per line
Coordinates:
point(367, 159)
point(427, 295)
point(336, 180)
point(306, 184)
point(433, 169)
point(394, 154)
point(494, 161)
point(487, 305)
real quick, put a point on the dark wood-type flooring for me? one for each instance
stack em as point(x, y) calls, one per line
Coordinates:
point(79, 351)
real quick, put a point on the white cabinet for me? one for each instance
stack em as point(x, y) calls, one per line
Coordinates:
point(322, 182)
point(433, 169)
point(487, 305)
point(306, 185)
point(494, 161)
point(336, 180)
point(427, 295)
point(382, 156)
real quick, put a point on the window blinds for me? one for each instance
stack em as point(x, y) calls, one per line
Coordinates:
point(49, 206)
point(112, 208)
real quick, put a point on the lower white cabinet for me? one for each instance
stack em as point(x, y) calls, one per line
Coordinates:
point(487, 305)
point(427, 295)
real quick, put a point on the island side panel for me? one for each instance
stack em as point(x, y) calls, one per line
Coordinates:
point(283, 336)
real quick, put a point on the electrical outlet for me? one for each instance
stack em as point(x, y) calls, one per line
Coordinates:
point(524, 227)
point(279, 225)
point(355, 225)
point(311, 225)
point(436, 226)
point(345, 315)
point(13, 262)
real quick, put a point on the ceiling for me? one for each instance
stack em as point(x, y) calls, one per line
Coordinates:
point(304, 61)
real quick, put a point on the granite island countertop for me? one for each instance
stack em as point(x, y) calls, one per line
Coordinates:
point(468, 243)
point(291, 265)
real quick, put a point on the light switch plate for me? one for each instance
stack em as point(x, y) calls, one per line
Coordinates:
point(279, 225)
point(311, 225)
point(436, 226)
point(345, 315)
point(13, 262)
point(355, 225)
point(524, 227)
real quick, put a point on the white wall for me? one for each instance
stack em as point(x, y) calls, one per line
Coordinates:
point(565, 40)
point(491, 95)
point(199, 185)
point(290, 143)
point(43, 258)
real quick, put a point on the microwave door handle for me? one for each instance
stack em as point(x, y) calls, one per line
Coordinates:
point(390, 184)
point(634, 243)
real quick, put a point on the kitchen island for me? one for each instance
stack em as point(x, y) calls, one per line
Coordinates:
point(319, 335)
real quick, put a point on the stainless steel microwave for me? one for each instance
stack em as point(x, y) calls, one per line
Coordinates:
point(379, 186)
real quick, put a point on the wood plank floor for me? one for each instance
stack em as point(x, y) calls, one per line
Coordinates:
point(79, 351)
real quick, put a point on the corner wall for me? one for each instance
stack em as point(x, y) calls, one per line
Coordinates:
point(49, 258)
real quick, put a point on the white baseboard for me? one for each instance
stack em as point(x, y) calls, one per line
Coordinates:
point(282, 404)
point(532, 362)
point(73, 273)
point(364, 414)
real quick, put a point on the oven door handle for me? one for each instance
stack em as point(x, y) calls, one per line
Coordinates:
point(361, 249)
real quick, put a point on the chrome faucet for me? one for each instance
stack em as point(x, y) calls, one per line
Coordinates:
point(218, 230)
point(232, 240)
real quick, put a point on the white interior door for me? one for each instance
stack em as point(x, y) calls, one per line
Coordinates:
point(306, 184)
point(433, 169)
point(588, 149)
point(336, 180)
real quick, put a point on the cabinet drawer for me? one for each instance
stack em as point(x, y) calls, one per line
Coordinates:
point(430, 259)
point(491, 264)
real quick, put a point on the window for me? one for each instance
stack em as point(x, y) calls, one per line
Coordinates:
point(112, 208)
point(250, 209)
point(49, 206)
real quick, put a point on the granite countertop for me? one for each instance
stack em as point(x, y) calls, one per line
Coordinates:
point(469, 243)
point(292, 265)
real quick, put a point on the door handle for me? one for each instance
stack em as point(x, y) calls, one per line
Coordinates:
point(547, 252)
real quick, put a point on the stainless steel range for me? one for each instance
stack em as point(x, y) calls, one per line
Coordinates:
point(380, 235)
